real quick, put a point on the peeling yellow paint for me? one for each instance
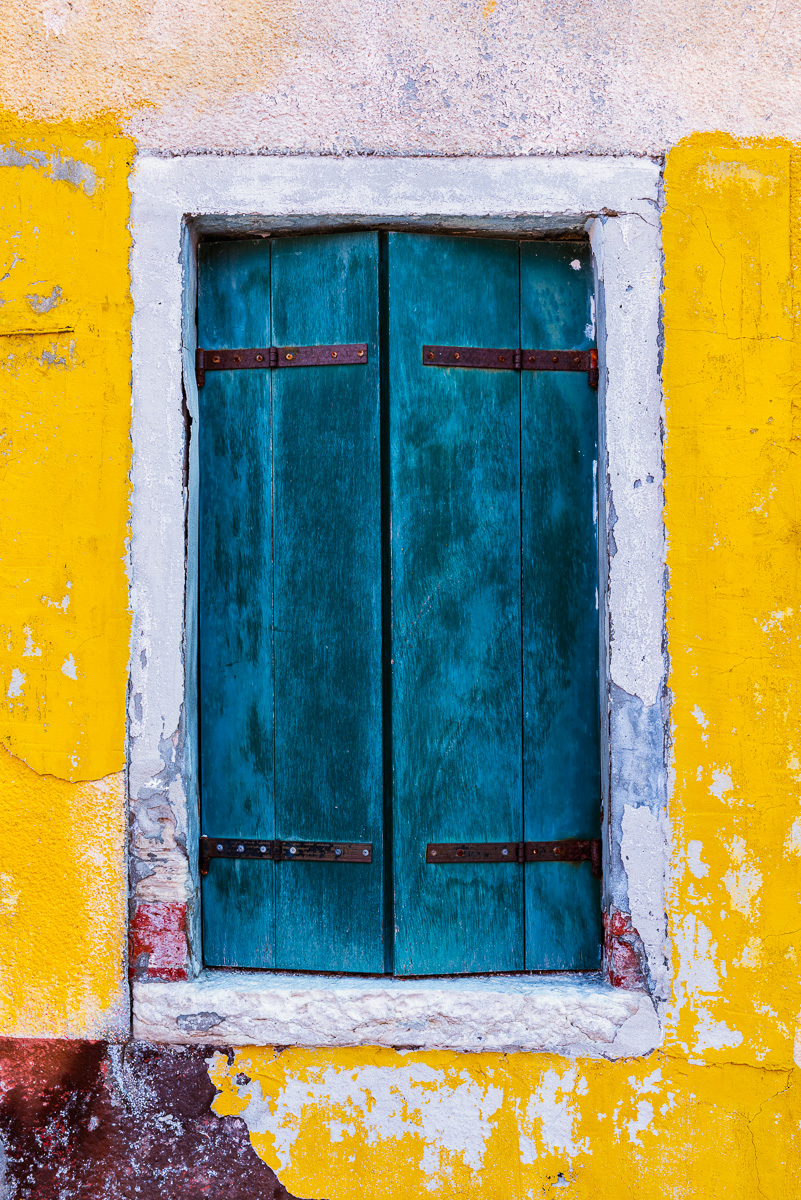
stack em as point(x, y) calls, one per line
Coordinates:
point(65, 369)
point(65, 364)
point(378, 1123)
point(717, 1113)
point(732, 357)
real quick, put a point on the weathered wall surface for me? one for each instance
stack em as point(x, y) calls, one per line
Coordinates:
point(64, 625)
point(435, 76)
point(716, 1112)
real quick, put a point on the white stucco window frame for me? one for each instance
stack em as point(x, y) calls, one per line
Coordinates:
point(617, 202)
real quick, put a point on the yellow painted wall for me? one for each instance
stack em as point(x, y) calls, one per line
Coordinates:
point(716, 1113)
point(65, 366)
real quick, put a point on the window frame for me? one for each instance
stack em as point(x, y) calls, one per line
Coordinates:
point(616, 201)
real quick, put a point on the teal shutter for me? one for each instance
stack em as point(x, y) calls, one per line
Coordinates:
point(559, 435)
point(235, 588)
point(456, 685)
point(473, 490)
point(290, 604)
point(328, 753)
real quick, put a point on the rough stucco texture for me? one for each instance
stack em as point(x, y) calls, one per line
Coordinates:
point(716, 1113)
point(64, 624)
point(421, 76)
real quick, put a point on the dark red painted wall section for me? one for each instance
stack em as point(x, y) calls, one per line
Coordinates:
point(93, 1121)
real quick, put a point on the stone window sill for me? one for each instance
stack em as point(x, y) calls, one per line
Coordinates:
point(574, 1015)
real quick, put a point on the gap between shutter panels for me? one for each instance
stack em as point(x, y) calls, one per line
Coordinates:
point(356, 354)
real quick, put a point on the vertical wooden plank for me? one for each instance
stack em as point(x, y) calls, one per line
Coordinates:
point(560, 607)
point(235, 590)
point(328, 602)
point(455, 489)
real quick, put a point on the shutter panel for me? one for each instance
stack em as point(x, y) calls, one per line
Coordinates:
point(560, 608)
point(328, 695)
point(456, 687)
point(235, 589)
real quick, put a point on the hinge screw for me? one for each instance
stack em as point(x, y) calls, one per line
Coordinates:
point(263, 849)
point(240, 849)
point(366, 853)
point(219, 846)
point(337, 851)
point(292, 850)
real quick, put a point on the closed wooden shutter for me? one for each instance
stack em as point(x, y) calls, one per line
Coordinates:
point(290, 604)
point(398, 605)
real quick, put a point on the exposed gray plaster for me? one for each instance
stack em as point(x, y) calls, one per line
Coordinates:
point(44, 304)
point(54, 166)
point(637, 774)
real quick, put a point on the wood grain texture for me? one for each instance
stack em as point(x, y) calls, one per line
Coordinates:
point(559, 434)
point(235, 590)
point(455, 487)
point(328, 742)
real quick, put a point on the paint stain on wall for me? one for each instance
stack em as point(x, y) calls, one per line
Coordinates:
point(76, 60)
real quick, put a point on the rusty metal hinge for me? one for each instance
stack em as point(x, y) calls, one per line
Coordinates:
point(265, 358)
point(512, 359)
point(283, 851)
point(568, 850)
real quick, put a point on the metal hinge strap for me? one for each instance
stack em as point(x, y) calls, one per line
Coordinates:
point(265, 358)
point(283, 851)
point(512, 359)
point(567, 850)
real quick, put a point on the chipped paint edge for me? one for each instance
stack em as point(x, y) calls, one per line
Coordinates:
point(618, 201)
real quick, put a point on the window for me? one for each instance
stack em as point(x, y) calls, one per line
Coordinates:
point(398, 605)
